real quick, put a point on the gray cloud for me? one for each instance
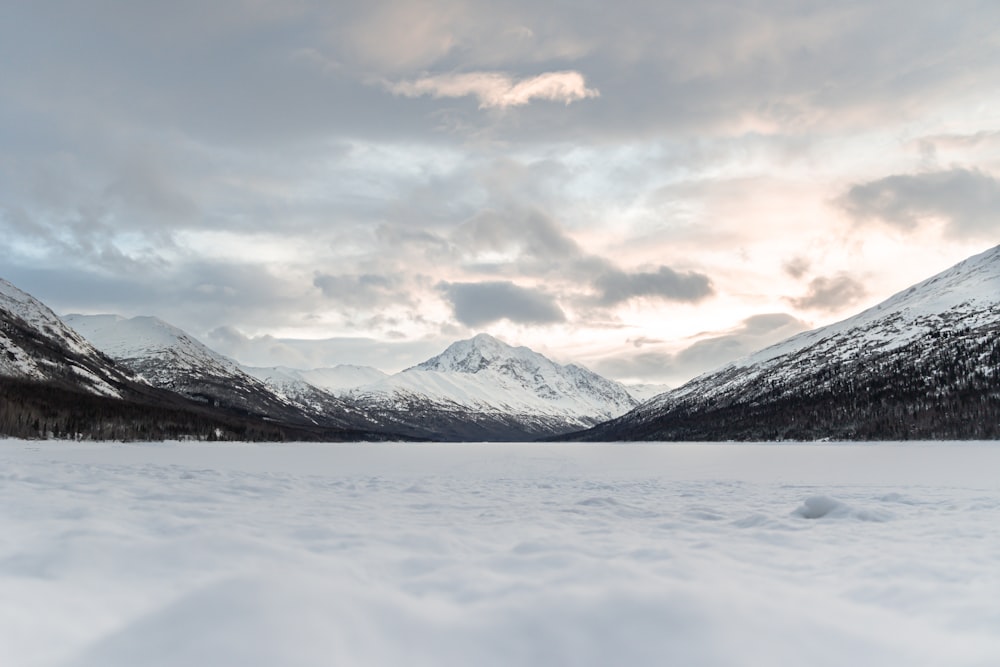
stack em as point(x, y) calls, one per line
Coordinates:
point(534, 236)
point(712, 351)
point(796, 267)
point(536, 245)
point(644, 366)
point(388, 356)
point(639, 341)
point(752, 334)
point(830, 293)
point(930, 145)
point(196, 295)
point(477, 304)
point(364, 291)
point(616, 286)
point(146, 143)
point(658, 65)
point(967, 199)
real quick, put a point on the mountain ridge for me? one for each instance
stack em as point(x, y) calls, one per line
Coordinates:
point(36, 345)
point(55, 383)
point(923, 363)
point(169, 358)
point(480, 388)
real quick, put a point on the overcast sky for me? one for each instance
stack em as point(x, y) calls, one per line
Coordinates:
point(648, 187)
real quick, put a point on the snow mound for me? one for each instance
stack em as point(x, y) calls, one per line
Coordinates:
point(826, 507)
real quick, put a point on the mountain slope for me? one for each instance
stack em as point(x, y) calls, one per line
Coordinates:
point(35, 345)
point(54, 383)
point(169, 358)
point(925, 363)
point(482, 388)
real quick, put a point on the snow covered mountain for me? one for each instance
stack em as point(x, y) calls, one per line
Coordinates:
point(484, 389)
point(644, 391)
point(477, 389)
point(342, 377)
point(56, 383)
point(169, 358)
point(333, 380)
point(925, 363)
point(36, 345)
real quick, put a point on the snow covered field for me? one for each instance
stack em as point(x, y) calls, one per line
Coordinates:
point(118, 555)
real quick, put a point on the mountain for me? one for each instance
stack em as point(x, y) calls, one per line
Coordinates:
point(342, 377)
point(925, 363)
point(484, 389)
point(55, 383)
point(479, 389)
point(35, 345)
point(642, 392)
point(317, 392)
point(169, 358)
point(334, 380)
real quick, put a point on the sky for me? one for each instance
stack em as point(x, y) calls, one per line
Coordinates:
point(649, 188)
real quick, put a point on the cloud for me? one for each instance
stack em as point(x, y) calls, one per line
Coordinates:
point(967, 200)
point(529, 242)
point(265, 350)
point(220, 159)
point(476, 304)
point(644, 366)
point(830, 293)
point(616, 286)
point(365, 290)
point(930, 145)
point(531, 234)
point(797, 267)
point(713, 350)
point(752, 334)
point(496, 90)
point(639, 341)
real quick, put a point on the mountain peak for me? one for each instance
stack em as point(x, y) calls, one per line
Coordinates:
point(139, 336)
point(475, 354)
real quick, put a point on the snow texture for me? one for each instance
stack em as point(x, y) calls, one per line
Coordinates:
point(242, 555)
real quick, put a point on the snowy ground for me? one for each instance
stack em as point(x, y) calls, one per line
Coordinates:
point(292, 555)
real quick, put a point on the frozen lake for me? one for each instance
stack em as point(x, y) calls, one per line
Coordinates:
point(249, 555)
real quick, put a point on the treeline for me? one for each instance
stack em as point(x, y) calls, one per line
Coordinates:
point(928, 390)
point(47, 410)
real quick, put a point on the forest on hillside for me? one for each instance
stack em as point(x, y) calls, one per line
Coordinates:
point(925, 390)
point(47, 410)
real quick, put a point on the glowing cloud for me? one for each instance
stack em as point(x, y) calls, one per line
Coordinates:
point(496, 90)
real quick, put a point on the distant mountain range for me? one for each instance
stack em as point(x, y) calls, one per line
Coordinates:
point(55, 383)
point(168, 358)
point(923, 364)
point(478, 389)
